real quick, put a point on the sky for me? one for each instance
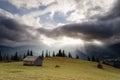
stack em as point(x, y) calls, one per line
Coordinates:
point(60, 24)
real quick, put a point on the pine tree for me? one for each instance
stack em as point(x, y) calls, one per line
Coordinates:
point(88, 58)
point(60, 53)
point(63, 54)
point(46, 53)
point(7, 57)
point(49, 54)
point(69, 55)
point(24, 55)
point(4, 57)
point(77, 57)
point(53, 54)
point(1, 56)
point(20, 57)
point(42, 54)
point(11, 58)
point(16, 58)
point(28, 53)
point(93, 58)
point(31, 53)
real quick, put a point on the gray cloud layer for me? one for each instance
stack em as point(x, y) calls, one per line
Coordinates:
point(88, 31)
point(105, 28)
point(12, 31)
point(114, 13)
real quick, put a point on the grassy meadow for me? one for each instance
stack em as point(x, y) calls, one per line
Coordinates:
point(70, 69)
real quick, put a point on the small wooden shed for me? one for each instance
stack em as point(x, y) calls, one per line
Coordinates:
point(32, 61)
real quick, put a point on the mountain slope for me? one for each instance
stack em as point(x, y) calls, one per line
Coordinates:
point(70, 69)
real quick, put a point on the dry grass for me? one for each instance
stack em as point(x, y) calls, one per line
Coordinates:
point(69, 69)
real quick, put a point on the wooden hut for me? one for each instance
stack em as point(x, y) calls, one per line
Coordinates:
point(32, 61)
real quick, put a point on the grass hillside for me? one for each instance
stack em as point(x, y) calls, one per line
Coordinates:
point(70, 69)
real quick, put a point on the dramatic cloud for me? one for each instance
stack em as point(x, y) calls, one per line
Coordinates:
point(12, 31)
point(42, 12)
point(102, 30)
point(60, 23)
point(5, 13)
point(96, 28)
point(86, 9)
point(30, 3)
point(114, 13)
point(88, 31)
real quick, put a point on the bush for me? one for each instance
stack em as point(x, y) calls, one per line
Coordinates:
point(57, 66)
point(99, 65)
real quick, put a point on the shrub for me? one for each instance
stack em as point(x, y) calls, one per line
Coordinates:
point(57, 66)
point(99, 65)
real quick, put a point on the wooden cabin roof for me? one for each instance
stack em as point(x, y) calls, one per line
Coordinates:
point(31, 58)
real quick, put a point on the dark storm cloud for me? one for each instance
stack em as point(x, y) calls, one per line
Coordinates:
point(106, 28)
point(11, 30)
point(96, 30)
point(114, 13)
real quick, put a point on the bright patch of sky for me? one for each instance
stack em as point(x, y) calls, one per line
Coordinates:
point(52, 13)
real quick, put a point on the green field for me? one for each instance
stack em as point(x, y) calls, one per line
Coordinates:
point(70, 69)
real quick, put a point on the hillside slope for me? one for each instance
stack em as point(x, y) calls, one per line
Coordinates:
point(70, 69)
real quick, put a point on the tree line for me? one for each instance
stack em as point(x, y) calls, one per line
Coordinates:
point(93, 58)
point(60, 53)
point(19, 57)
point(14, 57)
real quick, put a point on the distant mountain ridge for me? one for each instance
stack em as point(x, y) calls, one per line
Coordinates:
point(104, 52)
point(19, 49)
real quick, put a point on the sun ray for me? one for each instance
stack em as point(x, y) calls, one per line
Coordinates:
point(62, 41)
